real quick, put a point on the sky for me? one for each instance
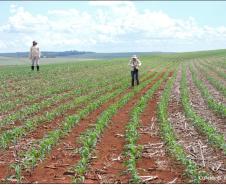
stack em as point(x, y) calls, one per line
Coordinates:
point(113, 26)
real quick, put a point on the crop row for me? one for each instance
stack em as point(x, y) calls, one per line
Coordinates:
point(167, 133)
point(57, 89)
point(32, 123)
point(222, 65)
point(24, 112)
point(52, 75)
point(37, 106)
point(215, 138)
point(56, 80)
point(132, 150)
point(33, 155)
point(89, 139)
point(84, 87)
point(35, 85)
point(216, 83)
point(214, 69)
point(217, 107)
point(36, 153)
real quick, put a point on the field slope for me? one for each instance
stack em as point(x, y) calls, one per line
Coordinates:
point(81, 122)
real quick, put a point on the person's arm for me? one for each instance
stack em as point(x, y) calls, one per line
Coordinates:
point(131, 63)
point(139, 63)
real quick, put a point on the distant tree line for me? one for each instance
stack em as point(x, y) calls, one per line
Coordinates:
point(47, 54)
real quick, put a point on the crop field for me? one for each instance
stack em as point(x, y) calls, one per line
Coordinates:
point(81, 122)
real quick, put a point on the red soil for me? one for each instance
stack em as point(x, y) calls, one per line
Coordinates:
point(156, 162)
point(108, 167)
point(38, 113)
point(54, 168)
point(8, 156)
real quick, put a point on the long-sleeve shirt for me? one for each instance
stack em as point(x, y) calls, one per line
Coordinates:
point(34, 52)
point(134, 64)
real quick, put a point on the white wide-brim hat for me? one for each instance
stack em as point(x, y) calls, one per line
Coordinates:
point(134, 56)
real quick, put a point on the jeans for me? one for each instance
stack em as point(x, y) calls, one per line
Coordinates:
point(134, 75)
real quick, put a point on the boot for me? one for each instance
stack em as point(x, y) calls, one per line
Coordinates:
point(32, 68)
point(37, 68)
point(132, 83)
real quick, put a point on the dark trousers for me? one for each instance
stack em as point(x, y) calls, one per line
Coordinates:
point(134, 75)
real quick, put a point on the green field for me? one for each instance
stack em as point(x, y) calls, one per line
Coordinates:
point(170, 128)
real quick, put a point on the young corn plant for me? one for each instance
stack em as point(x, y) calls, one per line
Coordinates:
point(18, 175)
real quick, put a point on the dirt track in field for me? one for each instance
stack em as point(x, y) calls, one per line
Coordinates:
point(63, 156)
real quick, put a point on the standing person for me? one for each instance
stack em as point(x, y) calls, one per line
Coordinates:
point(134, 63)
point(34, 56)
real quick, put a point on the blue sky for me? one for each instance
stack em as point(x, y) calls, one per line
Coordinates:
point(113, 26)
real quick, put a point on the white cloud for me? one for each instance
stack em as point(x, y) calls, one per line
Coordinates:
point(113, 24)
point(2, 45)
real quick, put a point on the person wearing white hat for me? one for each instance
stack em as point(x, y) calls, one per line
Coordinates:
point(134, 63)
point(34, 55)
